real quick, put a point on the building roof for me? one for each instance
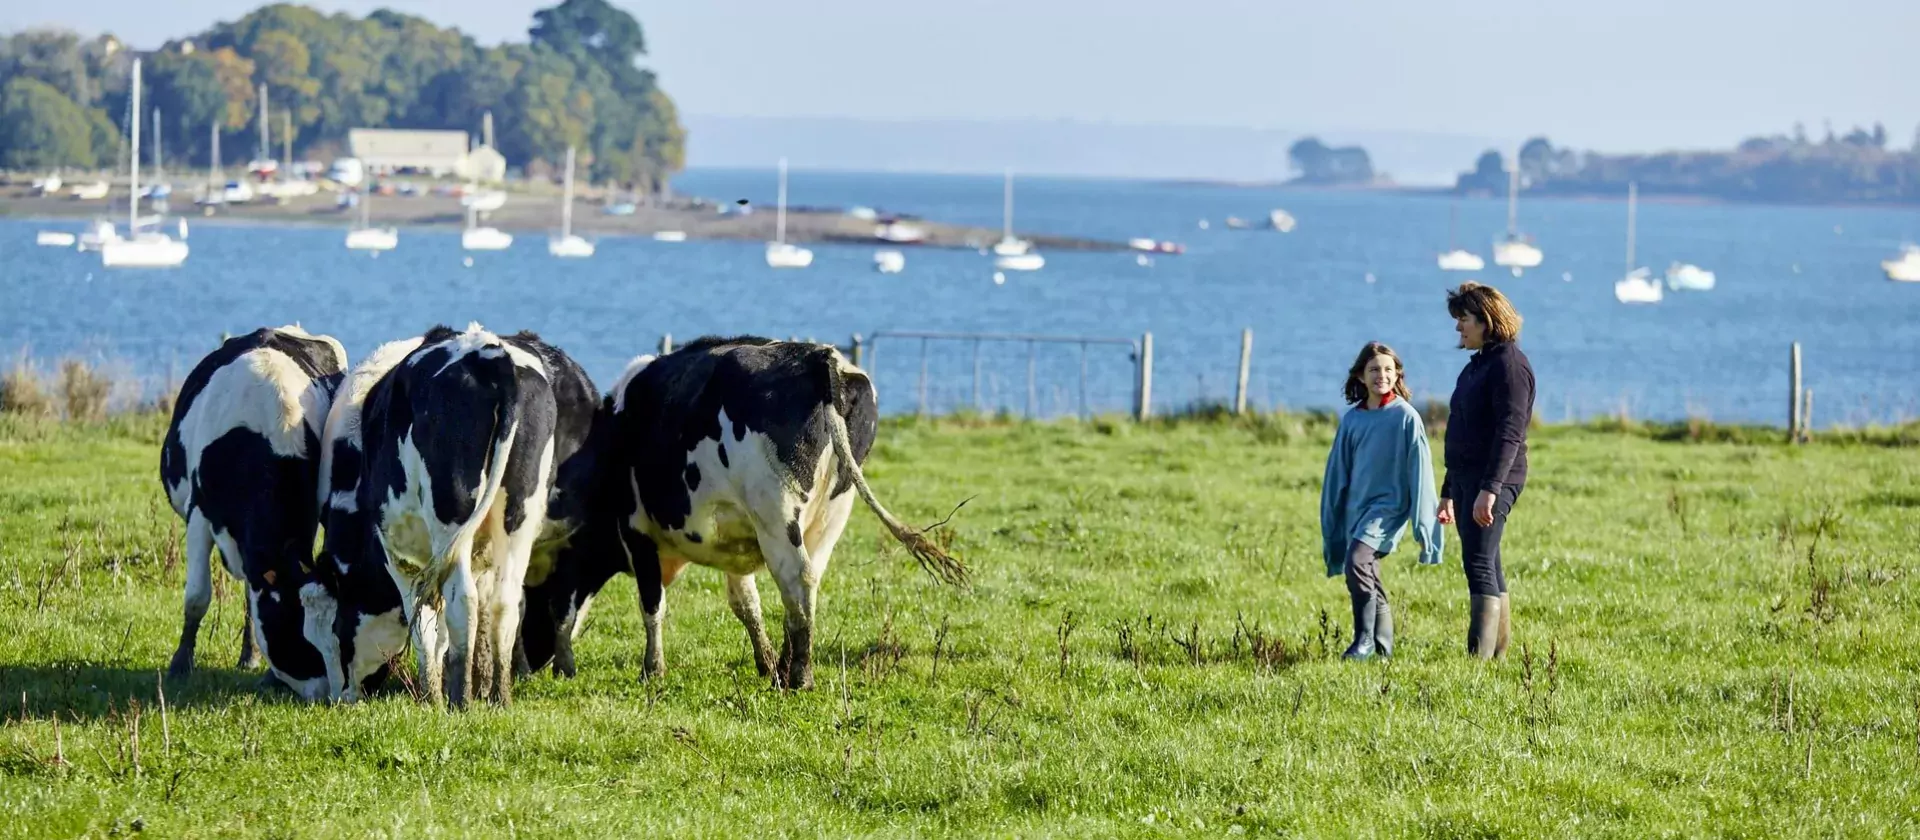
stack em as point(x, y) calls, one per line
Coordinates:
point(407, 147)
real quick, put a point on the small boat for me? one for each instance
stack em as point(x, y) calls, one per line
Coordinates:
point(1689, 277)
point(901, 232)
point(485, 239)
point(484, 201)
point(1010, 245)
point(97, 235)
point(1143, 260)
point(1143, 244)
point(889, 261)
point(1281, 221)
point(49, 185)
point(1638, 286)
point(55, 239)
point(780, 252)
point(1905, 269)
point(1515, 253)
point(567, 245)
point(1237, 223)
point(1457, 258)
point(1019, 262)
point(90, 192)
point(669, 236)
point(1461, 260)
point(140, 248)
point(366, 237)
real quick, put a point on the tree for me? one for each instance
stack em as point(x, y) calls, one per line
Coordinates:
point(187, 88)
point(1879, 135)
point(1489, 174)
point(1319, 163)
point(41, 128)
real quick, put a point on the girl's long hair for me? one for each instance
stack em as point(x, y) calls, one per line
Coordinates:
point(1356, 389)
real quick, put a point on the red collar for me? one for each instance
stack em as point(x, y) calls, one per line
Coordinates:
point(1384, 402)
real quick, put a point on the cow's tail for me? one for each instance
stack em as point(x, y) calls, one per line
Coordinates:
point(933, 559)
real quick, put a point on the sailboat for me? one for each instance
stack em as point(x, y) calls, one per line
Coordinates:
point(1638, 286)
point(1515, 252)
point(1905, 268)
point(780, 252)
point(1457, 258)
point(1012, 253)
point(140, 248)
point(1689, 278)
point(366, 237)
point(568, 245)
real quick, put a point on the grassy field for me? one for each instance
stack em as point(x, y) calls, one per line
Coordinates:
point(1711, 639)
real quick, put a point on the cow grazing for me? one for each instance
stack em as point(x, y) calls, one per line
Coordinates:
point(240, 464)
point(472, 470)
point(741, 454)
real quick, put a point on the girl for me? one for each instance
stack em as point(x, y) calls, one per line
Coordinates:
point(1379, 479)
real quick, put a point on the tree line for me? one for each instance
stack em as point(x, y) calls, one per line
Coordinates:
point(574, 82)
point(1855, 167)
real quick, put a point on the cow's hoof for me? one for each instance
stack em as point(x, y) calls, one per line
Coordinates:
point(181, 667)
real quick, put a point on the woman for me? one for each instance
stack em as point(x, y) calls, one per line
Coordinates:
point(1379, 479)
point(1486, 453)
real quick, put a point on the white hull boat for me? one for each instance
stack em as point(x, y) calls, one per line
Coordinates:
point(889, 262)
point(788, 255)
point(373, 239)
point(1689, 278)
point(1461, 259)
point(1515, 253)
point(1638, 286)
point(1905, 269)
point(567, 245)
point(670, 236)
point(1019, 262)
point(140, 248)
point(55, 239)
point(485, 239)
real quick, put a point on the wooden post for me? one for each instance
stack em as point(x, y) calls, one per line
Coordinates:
point(666, 344)
point(1144, 409)
point(1806, 417)
point(1246, 363)
point(1793, 398)
point(859, 354)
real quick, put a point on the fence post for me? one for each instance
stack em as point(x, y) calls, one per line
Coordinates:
point(1246, 362)
point(1793, 398)
point(1145, 409)
point(859, 354)
point(666, 344)
point(1806, 418)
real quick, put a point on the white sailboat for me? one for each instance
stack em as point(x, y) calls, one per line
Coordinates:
point(780, 252)
point(1515, 252)
point(1638, 286)
point(1012, 253)
point(141, 248)
point(1009, 245)
point(888, 261)
point(566, 245)
point(483, 238)
point(1688, 277)
point(1282, 221)
point(1457, 258)
point(1906, 267)
point(366, 237)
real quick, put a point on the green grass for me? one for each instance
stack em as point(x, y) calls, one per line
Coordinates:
point(1711, 638)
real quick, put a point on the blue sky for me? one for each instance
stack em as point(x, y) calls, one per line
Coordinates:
point(1616, 75)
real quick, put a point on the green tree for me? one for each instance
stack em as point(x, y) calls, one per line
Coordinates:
point(41, 128)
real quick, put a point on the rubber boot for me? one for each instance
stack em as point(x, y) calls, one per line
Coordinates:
point(1363, 628)
point(1483, 628)
point(1506, 626)
point(1382, 629)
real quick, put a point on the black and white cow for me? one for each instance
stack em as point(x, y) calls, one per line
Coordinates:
point(741, 454)
point(462, 468)
point(240, 465)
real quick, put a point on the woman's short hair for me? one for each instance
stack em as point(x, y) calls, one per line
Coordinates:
point(1356, 388)
point(1487, 304)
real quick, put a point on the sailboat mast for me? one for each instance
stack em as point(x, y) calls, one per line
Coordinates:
point(158, 166)
point(1633, 197)
point(566, 209)
point(1006, 213)
point(780, 225)
point(286, 147)
point(213, 165)
point(133, 199)
point(264, 129)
